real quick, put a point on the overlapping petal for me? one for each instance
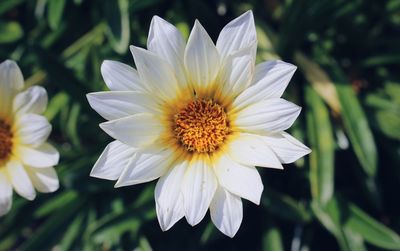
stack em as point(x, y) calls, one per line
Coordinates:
point(112, 161)
point(198, 189)
point(272, 115)
point(238, 34)
point(5, 193)
point(147, 164)
point(166, 41)
point(168, 196)
point(244, 181)
point(120, 104)
point(32, 100)
point(11, 81)
point(270, 81)
point(226, 211)
point(201, 58)
point(252, 150)
point(156, 73)
point(32, 129)
point(20, 180)
point(120, 77)
point(137, 130)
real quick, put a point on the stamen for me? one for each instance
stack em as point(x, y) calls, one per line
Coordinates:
point(5, 140)
point(201, 126)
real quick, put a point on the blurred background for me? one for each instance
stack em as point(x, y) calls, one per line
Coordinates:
point(343, 196)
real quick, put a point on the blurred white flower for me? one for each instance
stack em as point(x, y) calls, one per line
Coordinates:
point(200, 117)
point(26, 159)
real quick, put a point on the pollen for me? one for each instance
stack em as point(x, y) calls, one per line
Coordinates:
point(5, 140)
point(201, 126)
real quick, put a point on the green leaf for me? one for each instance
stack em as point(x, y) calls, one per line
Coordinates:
point(55, 12)
point(358, 129)
point(56, 104)
point(47, 233)
point(272, 239)
point(6, 5)
point(56, 203)
point(285, 206)
point(117, 18)
point(331, 217)
point(10, 32)
point(73, 232)
point(322, 143)
point(371, 230)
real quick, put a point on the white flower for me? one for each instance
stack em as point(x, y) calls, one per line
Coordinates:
point(26, 159)
point(200, 117)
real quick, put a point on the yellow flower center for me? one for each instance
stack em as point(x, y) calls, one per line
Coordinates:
point(5, 140)
point(201, 126)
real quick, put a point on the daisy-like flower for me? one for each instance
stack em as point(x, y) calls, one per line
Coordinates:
point(200, 117)
point(26, 159)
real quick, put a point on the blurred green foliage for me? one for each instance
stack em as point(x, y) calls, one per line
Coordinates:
point(344, 196)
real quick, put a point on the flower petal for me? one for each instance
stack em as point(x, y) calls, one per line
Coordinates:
point(287, 148)
point(33, 100)
point(112, 161)
point(201, 58)
point(148, 164)
point(252, 150)
point(45, 180)
point(136, 130)
point(237, 34)
point(226, 212)
point(11, 81)
point(41, 157)
point(120, 77)
point(166, 41)
point(268, 116)
point(238, 72)
point(119, 104)
point(5, 193)
point(32, 129)
point(270, 80)
point(168, 196)
point(20, 180)
point(244, 181)
point(198, 189)
point(156, 73)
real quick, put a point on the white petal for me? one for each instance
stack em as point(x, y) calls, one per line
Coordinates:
point(32, 129)
point(270, 80)
point(137, 130)
point(45, 180)
point(267, 116)
point(115, 105)
point(112, 161)
point(5, 193)
point(33, 100)
point(120, 77)
point(166, 41)
point(238, 71)
point(168, 196)
point(252, 150)
point(238, 34)
point(244, 181)
point(156, 73)
point(20, 180)
point(148, 164)
point(226, 212)
point(198, 189)
point(11, 81)
point(201, 58)
point(287, 148)
point(41, 157)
